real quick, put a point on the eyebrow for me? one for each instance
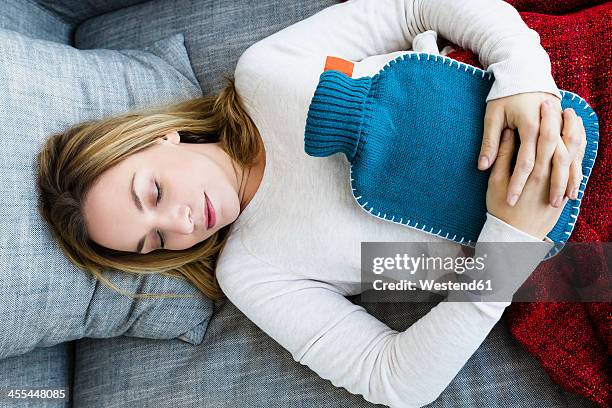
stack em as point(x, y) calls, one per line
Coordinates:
point(138, 204)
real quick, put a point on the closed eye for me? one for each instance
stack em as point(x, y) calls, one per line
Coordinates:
point(159, 196)
point(159, 192)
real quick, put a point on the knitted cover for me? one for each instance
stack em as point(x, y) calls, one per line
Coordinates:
point(412, 135)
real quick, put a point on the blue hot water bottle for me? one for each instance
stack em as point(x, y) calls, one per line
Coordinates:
point(412, 135)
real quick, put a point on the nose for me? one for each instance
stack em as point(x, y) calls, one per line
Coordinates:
point(178, 220)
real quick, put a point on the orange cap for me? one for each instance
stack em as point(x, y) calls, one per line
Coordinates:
point(339, 64)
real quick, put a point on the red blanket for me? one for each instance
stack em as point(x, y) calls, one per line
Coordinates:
point(572, 341)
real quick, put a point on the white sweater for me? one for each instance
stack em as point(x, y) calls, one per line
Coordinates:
point(294, 252)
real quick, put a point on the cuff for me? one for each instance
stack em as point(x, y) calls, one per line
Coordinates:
point(496, 230)
point(524, 66)
point(426, 42)
point(508, 265)
point(493, 310)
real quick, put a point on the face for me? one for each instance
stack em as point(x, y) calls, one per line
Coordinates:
point(179, 187)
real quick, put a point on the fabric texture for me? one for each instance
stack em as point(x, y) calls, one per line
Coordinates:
point(45, 368)
point(35, 21)
point(573, 341)
point(216, 33)
point(239, 365)
point(77, 11)
point(45, 88)
point(391, 133)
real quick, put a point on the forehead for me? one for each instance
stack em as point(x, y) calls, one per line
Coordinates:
point(112, 218)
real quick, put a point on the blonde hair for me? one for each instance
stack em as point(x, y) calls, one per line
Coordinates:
point(70, 162)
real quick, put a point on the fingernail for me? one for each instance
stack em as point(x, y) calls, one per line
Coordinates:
point(483, 162)
point(513, 199)
point(556, 202)
point(574, 194)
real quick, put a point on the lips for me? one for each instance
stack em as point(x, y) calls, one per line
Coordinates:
point(209, 213)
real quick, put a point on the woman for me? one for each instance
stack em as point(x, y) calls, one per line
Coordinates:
point(219, 190)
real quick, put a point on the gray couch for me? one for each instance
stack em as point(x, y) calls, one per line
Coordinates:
point(235, 364)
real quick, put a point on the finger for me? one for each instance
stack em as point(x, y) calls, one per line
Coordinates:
point(560, 174)
point(550, 130)
point(525, 161)
point(576, 175)
point(572, 137)
point(503, 164)
point(561, 160)
point(493, 127)
point(571, 133)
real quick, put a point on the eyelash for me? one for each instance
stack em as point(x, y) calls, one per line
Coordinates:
point(159, 196)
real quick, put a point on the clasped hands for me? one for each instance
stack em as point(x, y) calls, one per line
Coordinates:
point(548, 137)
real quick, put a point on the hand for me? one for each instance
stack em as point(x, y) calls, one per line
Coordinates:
point(527, 113)
point(532, 213)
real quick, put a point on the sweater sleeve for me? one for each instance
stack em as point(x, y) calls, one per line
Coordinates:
point(506, 269)
point(343, 343)
point(357, 29)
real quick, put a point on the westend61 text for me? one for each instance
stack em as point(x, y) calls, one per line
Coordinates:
point(433, 285)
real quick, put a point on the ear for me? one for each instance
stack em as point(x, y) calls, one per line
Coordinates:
point(173, 137)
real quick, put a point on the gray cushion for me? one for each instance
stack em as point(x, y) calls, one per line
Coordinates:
point(44, 88)
point(35, 21)
point(216, 32)
point(48, 368)
point(238, 365)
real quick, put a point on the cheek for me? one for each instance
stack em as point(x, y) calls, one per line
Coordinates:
point(186, 242)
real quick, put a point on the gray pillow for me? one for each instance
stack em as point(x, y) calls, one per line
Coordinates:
point(46, 87)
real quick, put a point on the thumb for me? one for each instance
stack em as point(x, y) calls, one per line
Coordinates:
point(502, 168)
point(493, 126)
